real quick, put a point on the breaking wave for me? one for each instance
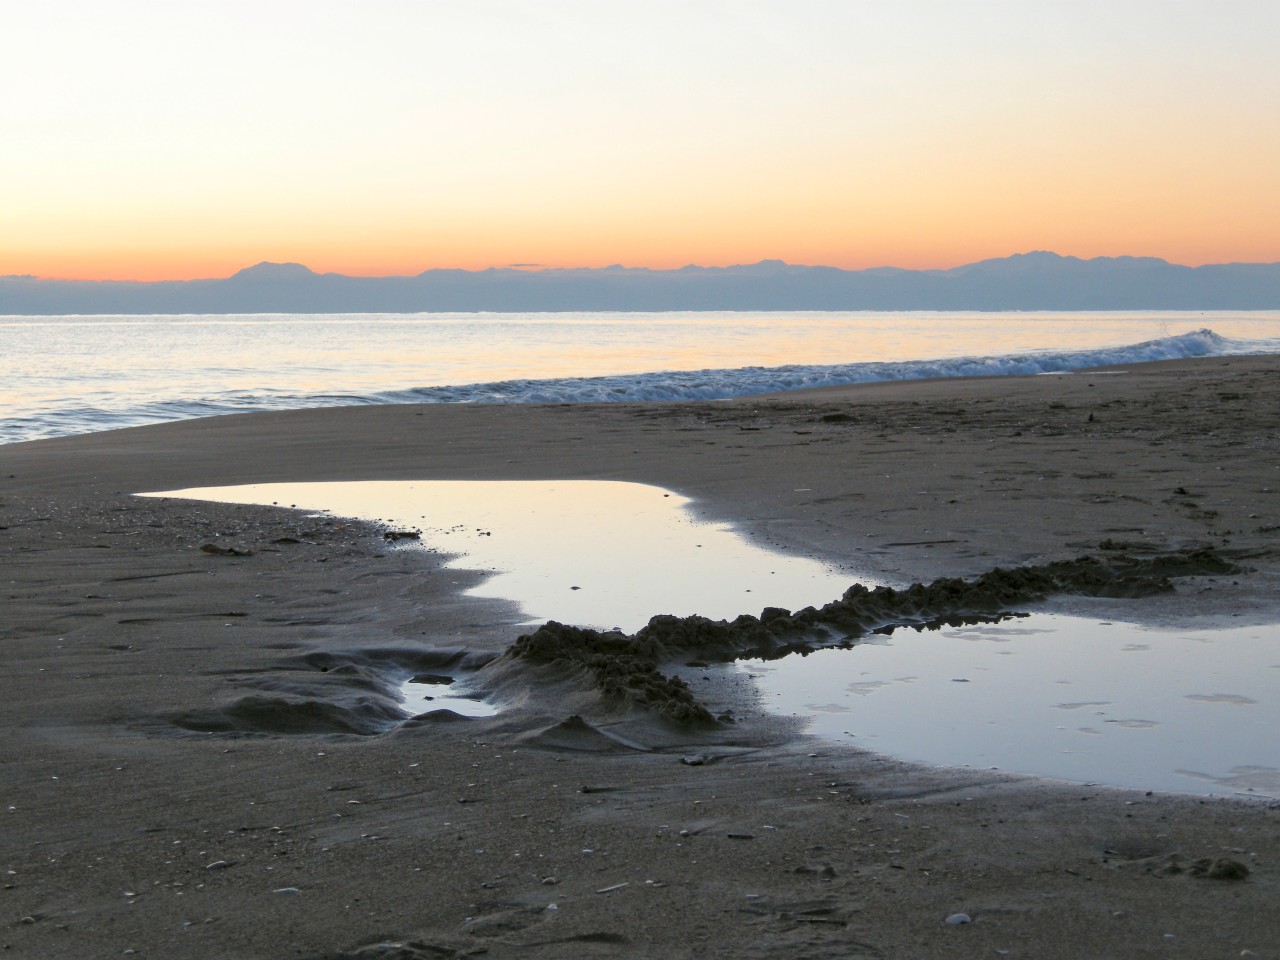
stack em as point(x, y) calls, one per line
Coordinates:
point(745, 381)
point(711, 384)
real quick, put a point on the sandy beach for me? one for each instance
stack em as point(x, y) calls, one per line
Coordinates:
point(191, 761)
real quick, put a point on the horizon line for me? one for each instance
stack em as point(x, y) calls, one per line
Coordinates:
point(540, 268)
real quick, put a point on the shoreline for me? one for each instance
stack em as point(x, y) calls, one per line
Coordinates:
point(763, 848)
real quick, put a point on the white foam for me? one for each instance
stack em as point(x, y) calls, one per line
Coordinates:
point(745, 381)
point(75, 402)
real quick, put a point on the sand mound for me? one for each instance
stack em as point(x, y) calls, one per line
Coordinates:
point(575, 734)
point(276, 715)
point(626, 671)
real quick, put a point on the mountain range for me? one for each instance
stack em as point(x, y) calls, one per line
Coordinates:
point(1027, 281)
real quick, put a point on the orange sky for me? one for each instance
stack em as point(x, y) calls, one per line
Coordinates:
point(179, 141)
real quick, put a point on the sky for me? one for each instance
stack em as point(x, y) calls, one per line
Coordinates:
point(191, 138)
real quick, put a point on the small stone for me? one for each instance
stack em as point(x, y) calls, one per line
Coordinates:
point(956, 919)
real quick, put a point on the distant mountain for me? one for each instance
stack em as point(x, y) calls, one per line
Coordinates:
point(1027, 281)
point(273, 273)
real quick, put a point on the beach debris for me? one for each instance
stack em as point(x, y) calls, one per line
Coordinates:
point(616, 886)
point(286, 890)
point(439, 679)
point(1222, 868)
point(394, 535)
point(958, 919)
point(220, 864)
point(217, 551)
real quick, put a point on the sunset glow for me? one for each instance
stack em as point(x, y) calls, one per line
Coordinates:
point(172, 141)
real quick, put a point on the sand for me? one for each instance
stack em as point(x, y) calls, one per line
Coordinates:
point(571, 825)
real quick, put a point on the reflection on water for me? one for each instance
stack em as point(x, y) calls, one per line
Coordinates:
point(586, 552)
point(1191, 710)
point(428, 692)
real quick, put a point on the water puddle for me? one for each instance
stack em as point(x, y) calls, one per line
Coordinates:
point(1189, 711)
point(1192, 711)
point(592, 553)
point(435, 691)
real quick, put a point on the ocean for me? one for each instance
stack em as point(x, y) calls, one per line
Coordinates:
point(80, 374)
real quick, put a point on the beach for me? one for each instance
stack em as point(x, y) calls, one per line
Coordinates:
point(160, 803)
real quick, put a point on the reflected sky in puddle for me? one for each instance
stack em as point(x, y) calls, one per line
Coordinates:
point(1190, 711)
point(1193, 711)
point(586, 552)
point(428, 692)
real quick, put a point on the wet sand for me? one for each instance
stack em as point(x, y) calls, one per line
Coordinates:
point(191, 690)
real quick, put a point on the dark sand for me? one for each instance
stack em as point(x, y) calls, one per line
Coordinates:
point(129, 831)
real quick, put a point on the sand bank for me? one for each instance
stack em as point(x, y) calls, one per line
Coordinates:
point(533, 834)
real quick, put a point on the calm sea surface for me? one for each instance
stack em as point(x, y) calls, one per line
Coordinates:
point(65, 375)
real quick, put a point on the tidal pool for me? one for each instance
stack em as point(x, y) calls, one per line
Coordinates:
point(590, 553)
point(1077, 699)
point(422, 694)
point(593, 553)
point(1191, 711)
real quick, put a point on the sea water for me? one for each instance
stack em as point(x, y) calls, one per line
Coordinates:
point(1188, 710)
point(79, 374)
